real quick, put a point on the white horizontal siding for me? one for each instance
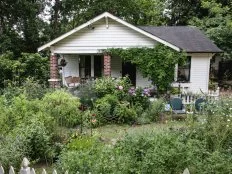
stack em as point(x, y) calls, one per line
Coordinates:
point(94, 40)
point(72, 67)
point(199, 77)
point(141, 81)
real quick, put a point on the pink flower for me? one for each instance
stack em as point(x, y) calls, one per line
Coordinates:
point(120, 87)
point(93, 120)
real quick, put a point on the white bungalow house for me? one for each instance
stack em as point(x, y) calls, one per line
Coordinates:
point(82, 49)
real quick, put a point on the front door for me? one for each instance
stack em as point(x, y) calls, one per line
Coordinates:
point(98, 66)
point(129, 69)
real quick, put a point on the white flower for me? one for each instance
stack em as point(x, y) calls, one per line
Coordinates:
point(227, 125)
point(120, 87)
point(228, 120)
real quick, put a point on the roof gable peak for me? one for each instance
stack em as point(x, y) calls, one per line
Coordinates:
point(107, 14)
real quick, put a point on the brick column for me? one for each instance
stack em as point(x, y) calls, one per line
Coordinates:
point(107, 65)
point(54, 81)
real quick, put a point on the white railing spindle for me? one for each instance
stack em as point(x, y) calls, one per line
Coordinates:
point(11, 171)
point(1, 170)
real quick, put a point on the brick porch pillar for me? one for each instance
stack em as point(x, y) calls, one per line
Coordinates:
point(107, 65)
point(54, 81)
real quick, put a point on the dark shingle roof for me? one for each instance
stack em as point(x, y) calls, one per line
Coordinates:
point(187, 38)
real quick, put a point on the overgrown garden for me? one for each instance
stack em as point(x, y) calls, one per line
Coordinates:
point(63, 129)
point(53, 127)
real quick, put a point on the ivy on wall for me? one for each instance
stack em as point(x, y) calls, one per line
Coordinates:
point(158, 63)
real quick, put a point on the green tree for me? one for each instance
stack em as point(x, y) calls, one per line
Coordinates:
point(217, 24)
point(21, 28)
point(179, 12)
point(27, 65)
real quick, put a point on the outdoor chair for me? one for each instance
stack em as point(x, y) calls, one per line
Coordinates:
point(72, 81)
point(198, 104)
point(177, 106)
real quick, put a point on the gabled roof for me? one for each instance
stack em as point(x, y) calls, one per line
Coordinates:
point(108, 15)
point(188, 38)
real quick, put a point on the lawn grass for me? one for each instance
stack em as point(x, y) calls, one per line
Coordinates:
point(110, 132)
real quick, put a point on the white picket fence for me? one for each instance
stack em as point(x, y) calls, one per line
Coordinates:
point(25, 169)
point(191, 98)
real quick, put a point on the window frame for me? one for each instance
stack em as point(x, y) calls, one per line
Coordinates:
point(187, 65)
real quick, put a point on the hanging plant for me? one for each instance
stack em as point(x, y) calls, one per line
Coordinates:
point(63, 62)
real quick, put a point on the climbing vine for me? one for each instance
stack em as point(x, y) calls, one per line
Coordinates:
point(158, 63)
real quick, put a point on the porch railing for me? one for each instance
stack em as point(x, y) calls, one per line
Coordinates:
point(189, 98)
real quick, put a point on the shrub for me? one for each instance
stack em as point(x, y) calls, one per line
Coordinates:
point(108, 85)
point(27, 65)
point(105, 107)
point(152, 113)
point(161, 153)
point(104, 86)
point(124, 113)
point(86, 93)
point(81, 142)
point(32, 140)
point(31, 88)
point(139, 96)
point(62, 106)
point(155, 109)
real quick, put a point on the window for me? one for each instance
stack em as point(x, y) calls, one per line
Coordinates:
point(184, 71)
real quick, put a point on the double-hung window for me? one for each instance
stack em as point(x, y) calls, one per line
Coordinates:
point(183, 74)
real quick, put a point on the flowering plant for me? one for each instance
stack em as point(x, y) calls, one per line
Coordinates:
point(139, 96)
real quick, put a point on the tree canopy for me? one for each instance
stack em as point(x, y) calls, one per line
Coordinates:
point(27, 24)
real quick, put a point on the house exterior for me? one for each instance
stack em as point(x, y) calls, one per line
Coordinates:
point(82, 49)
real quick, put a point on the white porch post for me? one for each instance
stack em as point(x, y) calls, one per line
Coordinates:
point(92, 65)
point(78, 65)
point(176, 73)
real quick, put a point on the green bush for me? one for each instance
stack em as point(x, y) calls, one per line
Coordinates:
point(62, 106)
point(139, 97)
point(86, 93)
point(21, 110)
point(31, 140)
point(155, 109)
point(31, 88)
point(16, 70)
point(108, 85)
point(161, 153)
point(105, 107)
point(124, 113)
point(81, 142)
point(29, 125)
point(152, 113)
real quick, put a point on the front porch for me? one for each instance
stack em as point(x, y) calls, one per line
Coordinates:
point(83, 67)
